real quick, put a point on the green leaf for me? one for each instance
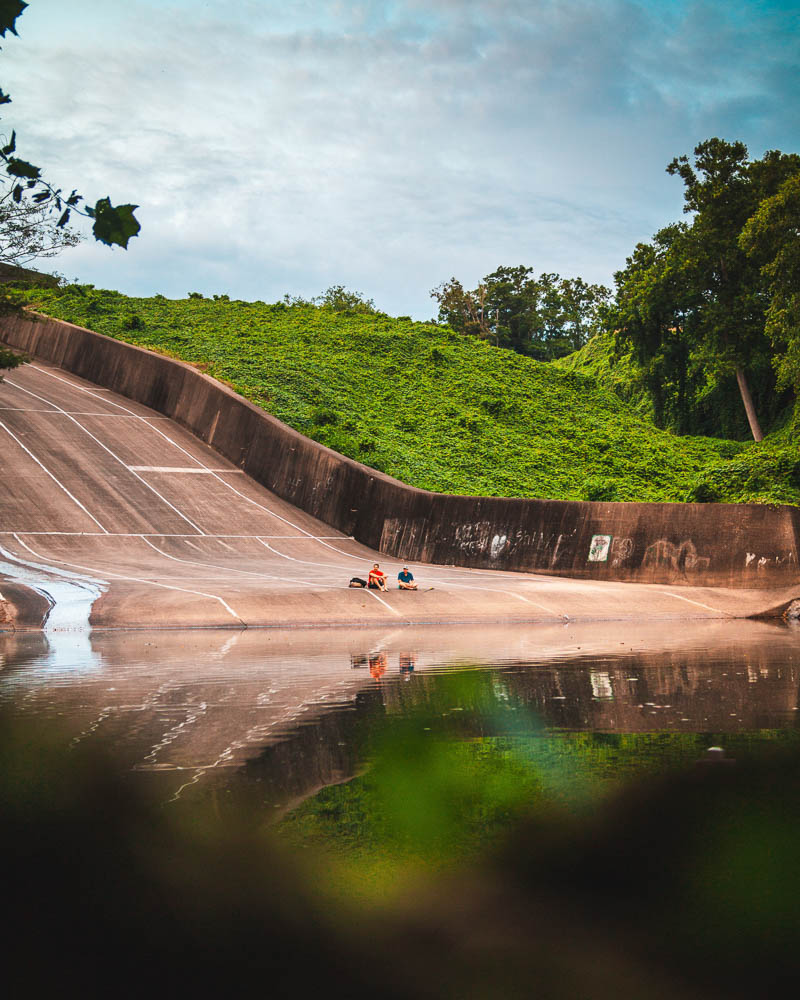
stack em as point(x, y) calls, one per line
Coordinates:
point(21, 168)
point(64, 219)
point(4, 98)
point(114, 226)
point(12, 145)
point(16, 194)
point(10, 10)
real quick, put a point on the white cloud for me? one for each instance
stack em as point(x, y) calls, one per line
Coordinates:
point(385, 146)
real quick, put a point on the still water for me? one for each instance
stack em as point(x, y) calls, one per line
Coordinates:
point(189, 713)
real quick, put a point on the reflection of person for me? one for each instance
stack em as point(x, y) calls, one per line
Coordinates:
point(377, 578)
point(357, 661)
point(407, 662)
point(377, 665)
point(405, 579)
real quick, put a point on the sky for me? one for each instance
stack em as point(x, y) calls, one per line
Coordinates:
point(386, 145)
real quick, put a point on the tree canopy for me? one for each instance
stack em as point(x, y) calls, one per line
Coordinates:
point(693, 302)
point(544, 318)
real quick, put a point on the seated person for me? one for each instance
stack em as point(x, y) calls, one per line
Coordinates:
point(405, 579)
point(376, 579)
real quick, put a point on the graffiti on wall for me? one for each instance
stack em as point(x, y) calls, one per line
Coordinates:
point(682, 558)
point(484, 538)
point(621, 551)
point(764, 562)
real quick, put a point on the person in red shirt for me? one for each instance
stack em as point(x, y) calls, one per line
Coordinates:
point(377, 579)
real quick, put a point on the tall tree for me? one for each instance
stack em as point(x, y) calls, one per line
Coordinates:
point(771, 237)
point(701, 300)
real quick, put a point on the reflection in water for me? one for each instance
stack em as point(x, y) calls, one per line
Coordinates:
point(187, 709)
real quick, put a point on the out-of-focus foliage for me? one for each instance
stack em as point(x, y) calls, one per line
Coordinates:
point(682, 887)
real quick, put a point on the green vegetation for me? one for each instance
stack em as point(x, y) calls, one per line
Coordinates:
point(428, 406)
point(438, 410)
point(708, 306)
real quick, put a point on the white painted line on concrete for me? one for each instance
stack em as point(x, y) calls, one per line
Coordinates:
point(74, 413)
point(384, 603)
point(157, 534)
point(112, 454)
point(708, 607)
point(50, 474)
point(232, 569)
point(136, 579)
point(171, 468)
point(175, 444)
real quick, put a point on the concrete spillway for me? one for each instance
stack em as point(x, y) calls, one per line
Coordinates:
point(155, 496)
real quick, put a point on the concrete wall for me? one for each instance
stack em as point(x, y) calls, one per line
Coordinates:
point(738, 545)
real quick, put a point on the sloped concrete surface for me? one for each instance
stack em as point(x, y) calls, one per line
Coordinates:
point(106, 496)
point(748, 546)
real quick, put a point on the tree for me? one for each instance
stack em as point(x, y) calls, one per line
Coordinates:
point(29, 232)
point(696, 297)
point(772, 238)
point(545, 317)
point(23, 181)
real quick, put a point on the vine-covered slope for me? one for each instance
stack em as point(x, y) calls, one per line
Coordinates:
point(432, 408)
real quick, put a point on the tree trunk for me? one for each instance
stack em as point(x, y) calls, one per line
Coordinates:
point(747, 399)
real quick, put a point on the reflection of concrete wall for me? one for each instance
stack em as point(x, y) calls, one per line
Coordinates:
point(742, 545)
point(737, 689)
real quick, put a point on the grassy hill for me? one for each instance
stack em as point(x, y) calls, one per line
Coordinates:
point(434, 409)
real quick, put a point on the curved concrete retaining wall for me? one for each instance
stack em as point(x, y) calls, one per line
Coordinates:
point(738, 545)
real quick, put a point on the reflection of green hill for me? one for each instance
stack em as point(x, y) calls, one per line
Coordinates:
point(436, 410)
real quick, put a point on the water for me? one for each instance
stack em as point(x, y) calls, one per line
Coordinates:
point(285, 713)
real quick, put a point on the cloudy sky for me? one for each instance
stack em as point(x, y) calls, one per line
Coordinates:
point(387, 145)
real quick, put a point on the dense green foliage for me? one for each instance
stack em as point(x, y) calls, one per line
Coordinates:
point(415, 400)
point(432, 408)
point(693, 303)
point(768, 471)
point(772, 237)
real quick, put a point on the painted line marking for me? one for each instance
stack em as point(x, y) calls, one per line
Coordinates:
point(185, 452)
point(384, 603)
point(181, 469)
point(111, 453)
point(232, 569)
point(158, 534)
point(74, 413)
point(708, 607)
point(135, 579)
point(50, 474)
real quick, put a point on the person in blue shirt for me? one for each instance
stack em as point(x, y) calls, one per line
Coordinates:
point(405, 579)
